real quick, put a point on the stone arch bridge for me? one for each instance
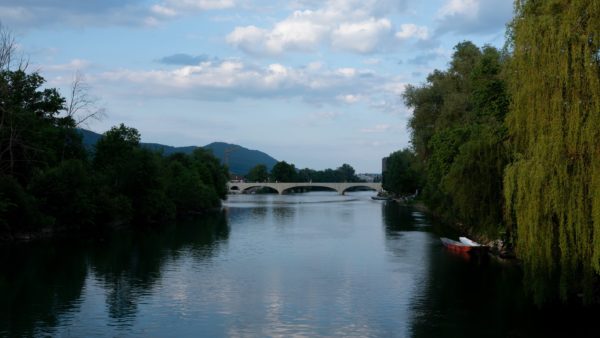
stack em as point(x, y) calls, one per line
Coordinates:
point(281, 188)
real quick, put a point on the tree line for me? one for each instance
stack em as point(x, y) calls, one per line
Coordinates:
point(506, 143)
point(50, 183)
point(287, 172)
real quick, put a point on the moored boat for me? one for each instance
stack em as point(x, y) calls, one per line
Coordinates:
point(455, 246)
point(463, 245)
point(468, 241)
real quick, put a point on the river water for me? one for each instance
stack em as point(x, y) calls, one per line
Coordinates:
point(305, 265)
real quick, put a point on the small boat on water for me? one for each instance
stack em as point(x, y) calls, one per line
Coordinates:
point(465, 245)
point(467, 241)
point(381, 198)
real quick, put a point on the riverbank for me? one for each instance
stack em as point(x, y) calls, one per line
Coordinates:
point(65, 232)
point(498, 247)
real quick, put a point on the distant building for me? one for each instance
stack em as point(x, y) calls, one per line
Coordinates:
point(371, 178)
point(235, 178)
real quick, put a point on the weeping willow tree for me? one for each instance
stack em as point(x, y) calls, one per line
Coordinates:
point(552, 189)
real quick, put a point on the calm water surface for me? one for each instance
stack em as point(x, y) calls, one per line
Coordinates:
point(306, 265)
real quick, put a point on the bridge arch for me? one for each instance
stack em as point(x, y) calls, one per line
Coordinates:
point(282, 187)
point(259, 186)
point(311, 185)
point(358, 185)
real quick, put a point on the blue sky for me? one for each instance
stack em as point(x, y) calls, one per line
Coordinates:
point(314, 83)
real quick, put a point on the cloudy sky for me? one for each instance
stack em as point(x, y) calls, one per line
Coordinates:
point(314, 83)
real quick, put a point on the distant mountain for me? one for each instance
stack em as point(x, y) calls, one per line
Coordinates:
point(89, 138)
point(239, 159)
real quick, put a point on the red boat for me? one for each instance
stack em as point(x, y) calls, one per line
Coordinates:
point(465, 245)
point(456, 246)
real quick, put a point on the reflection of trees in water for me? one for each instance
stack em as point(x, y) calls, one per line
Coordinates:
point(454, 297)
point(475, 297)
point(40, 282)
point(397, 218)
point(43, 282)
point(257, 213)
point(284, 214)
point(131, 264)
point(466, 298)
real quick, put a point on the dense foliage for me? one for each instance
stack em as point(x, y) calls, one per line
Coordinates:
point(553, 187)
point(286, 172)
point(48, 182)
point(258, 173)
point(458, 137)
point(344, 173)
point(402, 176)
point(509, 143)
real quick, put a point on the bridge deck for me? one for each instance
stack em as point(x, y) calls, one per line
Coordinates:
point(240, 187)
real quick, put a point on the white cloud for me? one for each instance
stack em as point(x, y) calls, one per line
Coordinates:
point(473, 16)
point(408, 31)
point(300, 32)
point(163, 10)
point(346, 25)
point(361, 37)
point(467, 8)
point(347, 72)
point(232, 79)
point(250, 38)
point(171, 8)
point(201, 4)
point(350, 98)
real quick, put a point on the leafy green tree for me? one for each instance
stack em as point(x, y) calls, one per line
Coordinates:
point(116, 146)
point(132, 175)
point(283, 172)
point(552, 189)
point(19, 212)
point(401, 176)
point(258, 174)
point(458, 134)
point(185, 188)
point(212, 173)
point(65, 194)
point(347, 173)
point(28, 116)
point(47, 181)
point(306, 175)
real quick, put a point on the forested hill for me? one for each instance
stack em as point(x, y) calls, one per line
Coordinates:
point(239, 159)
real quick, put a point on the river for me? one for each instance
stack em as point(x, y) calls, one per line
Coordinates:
point(301, 265)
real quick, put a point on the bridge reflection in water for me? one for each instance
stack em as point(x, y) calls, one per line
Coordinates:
point(281, 188)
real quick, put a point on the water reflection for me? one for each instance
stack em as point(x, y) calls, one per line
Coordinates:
point(42, 283)
point(307, 265)
point(38, 285)
point(284, 215)
point(398, 218)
